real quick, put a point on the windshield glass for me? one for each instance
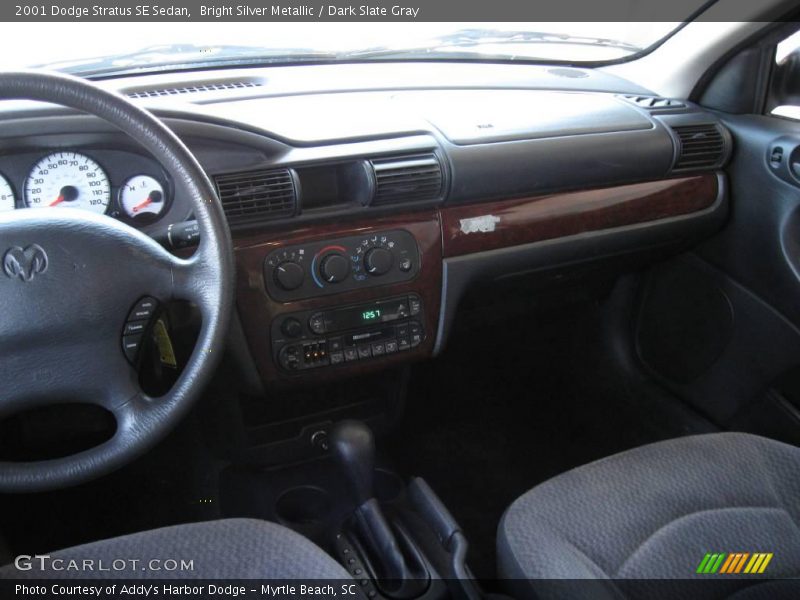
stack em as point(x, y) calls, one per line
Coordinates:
point(122, 48)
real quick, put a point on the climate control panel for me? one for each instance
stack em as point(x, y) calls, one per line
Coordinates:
point(332, 266)
point(345, 335)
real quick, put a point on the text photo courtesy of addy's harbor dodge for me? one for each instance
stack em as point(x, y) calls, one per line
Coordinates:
point(214, 11)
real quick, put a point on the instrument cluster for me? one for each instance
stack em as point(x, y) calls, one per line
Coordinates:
point(72, 179)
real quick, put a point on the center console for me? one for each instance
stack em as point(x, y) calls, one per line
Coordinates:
point(401, 551)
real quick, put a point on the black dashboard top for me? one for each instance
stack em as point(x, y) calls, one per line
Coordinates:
point(489, 139)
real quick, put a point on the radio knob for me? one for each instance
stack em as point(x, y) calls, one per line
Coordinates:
point(289, 275)
point(291, 328)
point(378, 261)
point(334, 268)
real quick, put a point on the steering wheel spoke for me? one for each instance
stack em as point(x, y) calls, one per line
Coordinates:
point(70, 369)
point(193, 279)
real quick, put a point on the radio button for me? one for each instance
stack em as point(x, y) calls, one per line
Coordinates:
point(415, 304)
point(316, 323)
point(402, 311)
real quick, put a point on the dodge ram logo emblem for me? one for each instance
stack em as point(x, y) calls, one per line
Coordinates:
point(24, 263)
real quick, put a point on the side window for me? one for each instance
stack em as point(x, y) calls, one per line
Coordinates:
point(784, 93)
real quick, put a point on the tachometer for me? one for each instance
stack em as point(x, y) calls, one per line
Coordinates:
point(68, 179)
point(6, 195)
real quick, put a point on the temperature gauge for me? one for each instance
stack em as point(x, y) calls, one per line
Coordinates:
point(142, 199)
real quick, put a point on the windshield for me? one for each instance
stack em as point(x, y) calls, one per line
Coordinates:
point(123, 48)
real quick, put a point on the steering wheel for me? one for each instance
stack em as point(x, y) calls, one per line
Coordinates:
point(69, 279)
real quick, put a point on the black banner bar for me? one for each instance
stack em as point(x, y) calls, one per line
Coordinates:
point(397, 10)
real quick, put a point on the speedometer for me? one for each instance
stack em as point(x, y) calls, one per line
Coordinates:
point(6, 195)
point(68, 179)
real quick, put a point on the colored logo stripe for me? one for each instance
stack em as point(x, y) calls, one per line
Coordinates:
point(710, 563)
point(758, 563)
point(733, 563)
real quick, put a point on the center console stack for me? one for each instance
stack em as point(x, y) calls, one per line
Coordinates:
point(336, 335)
point(342, 301)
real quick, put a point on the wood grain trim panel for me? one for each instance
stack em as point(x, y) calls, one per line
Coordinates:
point(257, 309)
point(539, 218)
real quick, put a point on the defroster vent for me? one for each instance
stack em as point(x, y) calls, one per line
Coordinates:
point(407, 178)
point(192, 89)
point(257, 196)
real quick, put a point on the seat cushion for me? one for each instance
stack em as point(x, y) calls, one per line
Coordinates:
point(653, 513)
point(229, 549)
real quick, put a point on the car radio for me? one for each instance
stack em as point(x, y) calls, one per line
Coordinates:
point(321, 338)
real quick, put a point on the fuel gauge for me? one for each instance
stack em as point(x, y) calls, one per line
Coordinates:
point(142, 199)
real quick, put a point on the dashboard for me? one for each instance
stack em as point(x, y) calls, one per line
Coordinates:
point(362, 212)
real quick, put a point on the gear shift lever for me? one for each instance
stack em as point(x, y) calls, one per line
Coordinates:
point(353, 447)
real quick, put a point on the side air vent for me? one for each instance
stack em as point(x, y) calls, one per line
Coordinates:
point(654, 102)
point(407, 178)
point(194, 89)
point(257, 196)
point(700, 146)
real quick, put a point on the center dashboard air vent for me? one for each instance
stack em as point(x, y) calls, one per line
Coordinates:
point(257, 196)
point(699, 146)
point(407, 178)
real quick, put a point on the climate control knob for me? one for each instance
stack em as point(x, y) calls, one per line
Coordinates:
point(289, 275)
point(378, 261)
point(334, 268)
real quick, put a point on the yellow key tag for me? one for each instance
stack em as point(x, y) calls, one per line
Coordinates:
point(165, 351)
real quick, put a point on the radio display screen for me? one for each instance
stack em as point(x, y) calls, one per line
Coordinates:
point(366, 314)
